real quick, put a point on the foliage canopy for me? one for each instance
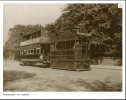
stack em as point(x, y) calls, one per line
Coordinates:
point(103, 21)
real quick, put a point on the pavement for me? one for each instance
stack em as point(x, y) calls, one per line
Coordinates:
point(107, 67)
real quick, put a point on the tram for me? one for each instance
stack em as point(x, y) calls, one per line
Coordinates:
point(71, 52)
point(68, 51)
point(35, 49)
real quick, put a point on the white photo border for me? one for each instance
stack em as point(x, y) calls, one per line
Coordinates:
point(59, 95)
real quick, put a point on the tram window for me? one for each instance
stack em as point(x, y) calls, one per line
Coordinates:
point(34, 35)
point(24, 52)
point(58, 46)
point(79, 41)
point(38, 50)
point(72, 44)
point(63, 45)
point(21, 52)
point(31, 37)
point(31, 51)
point(27, 37)
point(34, 51)
point(88, 47)
point(68, 45)
point(52, 46)
point(83, 41)
point(24, 38)
point(38, 34)
point(28, 52)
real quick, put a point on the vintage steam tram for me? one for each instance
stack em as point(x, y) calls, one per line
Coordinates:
point(68, 51)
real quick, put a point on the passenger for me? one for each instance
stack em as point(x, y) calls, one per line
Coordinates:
point(76, 44)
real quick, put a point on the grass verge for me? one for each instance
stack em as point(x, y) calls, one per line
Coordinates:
point(9, 76)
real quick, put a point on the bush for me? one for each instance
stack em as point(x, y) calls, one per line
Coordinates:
point(118, 62)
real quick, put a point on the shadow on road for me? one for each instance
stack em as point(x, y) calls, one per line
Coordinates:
point(100, 86)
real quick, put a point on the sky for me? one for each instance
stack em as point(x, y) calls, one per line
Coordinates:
point(26, 14)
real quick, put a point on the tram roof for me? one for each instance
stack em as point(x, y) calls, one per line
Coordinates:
point(60, 37)
point(67, 37)
point(31, 33)
point(63, 37)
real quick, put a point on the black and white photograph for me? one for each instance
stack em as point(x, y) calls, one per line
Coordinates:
point(63, 47)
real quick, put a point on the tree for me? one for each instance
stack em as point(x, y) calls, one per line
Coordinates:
point(11, 47)
point(103, 21)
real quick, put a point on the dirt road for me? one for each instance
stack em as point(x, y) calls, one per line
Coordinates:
point(47, 79)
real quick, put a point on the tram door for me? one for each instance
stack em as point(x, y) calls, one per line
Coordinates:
point(45, 51)
point(82, 48)
point(83, 53)
point(85, 48)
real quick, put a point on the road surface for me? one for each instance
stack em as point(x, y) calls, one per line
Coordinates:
point(47, 79)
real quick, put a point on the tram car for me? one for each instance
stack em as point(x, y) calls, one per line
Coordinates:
point(35, 49)
point(68, 51)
